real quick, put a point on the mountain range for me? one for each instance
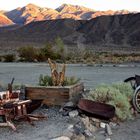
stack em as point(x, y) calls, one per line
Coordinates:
point(80, 28)
point(31, 12)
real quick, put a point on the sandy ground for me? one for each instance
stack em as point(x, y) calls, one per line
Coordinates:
point(56, 124)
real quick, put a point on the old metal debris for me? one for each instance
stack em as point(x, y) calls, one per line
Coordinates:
point(96, 109)
point(12, 108)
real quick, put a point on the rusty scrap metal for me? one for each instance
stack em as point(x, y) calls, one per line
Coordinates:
point(11, 108)
point(96, 109)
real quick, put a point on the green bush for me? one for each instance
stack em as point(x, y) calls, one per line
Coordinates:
point(9, 58)
point(125, 89)
point(60, 48)
point(48, 51)
point(28, 53)
point(40, 57)
point(47, 80)
point(71, 80)
point(116, 95)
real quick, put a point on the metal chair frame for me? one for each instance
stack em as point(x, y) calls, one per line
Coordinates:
point(135, 83)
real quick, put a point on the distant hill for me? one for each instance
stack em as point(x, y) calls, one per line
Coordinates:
point(104, 33)
point(31, 12)
point(4, 21)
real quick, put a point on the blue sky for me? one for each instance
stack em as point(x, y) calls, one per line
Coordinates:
point(131, 5)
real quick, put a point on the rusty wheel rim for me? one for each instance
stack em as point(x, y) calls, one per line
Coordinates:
point(138, 100)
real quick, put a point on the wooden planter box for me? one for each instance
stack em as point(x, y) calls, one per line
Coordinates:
point(54, 95)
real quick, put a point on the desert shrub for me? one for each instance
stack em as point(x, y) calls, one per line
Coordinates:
point(47, 80)
point(48, 51)
point(40, 57)
point(125, 89)
point(60, 48)
point(0, 58)
point(28, 53)
point(114, 95)
point(9, 58)
point(87, 54)
point(71, 80)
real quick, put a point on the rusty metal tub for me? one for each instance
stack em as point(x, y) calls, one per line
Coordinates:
point(96, 109)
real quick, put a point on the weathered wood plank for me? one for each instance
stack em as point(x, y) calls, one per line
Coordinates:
point(38, 96)
point(51, 102)
point(54, 95)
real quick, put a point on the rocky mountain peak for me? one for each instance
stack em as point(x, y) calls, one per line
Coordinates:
point(32, 12)
point(31, 5)
point(4, 21)
point(69, 8)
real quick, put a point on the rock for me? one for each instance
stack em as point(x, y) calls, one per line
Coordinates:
point(113, 125)
point(68, 107)
point(88, 125)
point(70, 127)
point(61, 110)
point(69, 131)
point(86, 121)
point(61, 138)
point(108, 129)
point(97, 124)
point(87, 133)
point(78, 137)
point(73, 113)
point(95, 120)
point(79, 128)
point(92, 128)
point(69, 104)
point(102, 125)
point(65, 113)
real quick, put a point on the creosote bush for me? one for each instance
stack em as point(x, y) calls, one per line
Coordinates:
point(45, 80)
point(9, 58)
point(118, 95)
point(27, 53)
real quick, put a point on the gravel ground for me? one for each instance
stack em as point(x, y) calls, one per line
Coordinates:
point(43, 130)
point(129, 130)
point(56, 124)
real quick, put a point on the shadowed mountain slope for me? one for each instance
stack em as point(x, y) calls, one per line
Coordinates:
point(117, 32)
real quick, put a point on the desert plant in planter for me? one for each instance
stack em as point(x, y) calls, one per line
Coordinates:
point(118, 95)
point(56, 89)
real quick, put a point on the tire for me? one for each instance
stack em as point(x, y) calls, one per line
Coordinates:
point(136, 99)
